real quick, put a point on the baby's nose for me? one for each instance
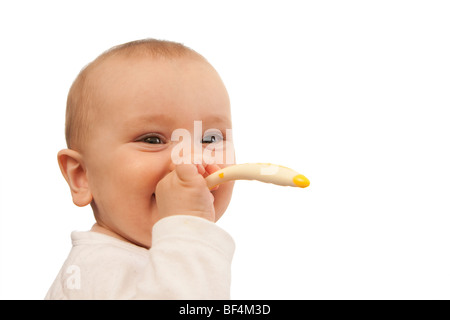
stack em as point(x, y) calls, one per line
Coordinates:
point(195, 156)
point(208, 158)
point(181, 154)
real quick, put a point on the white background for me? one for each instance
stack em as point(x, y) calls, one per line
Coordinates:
point(353, 94)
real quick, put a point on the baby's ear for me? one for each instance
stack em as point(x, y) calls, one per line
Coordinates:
point(73, 169)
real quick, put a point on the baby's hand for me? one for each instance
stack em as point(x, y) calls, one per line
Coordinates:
point(184, 192)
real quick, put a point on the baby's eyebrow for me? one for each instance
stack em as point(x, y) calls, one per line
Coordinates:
point(149, 119)
point(217, 120)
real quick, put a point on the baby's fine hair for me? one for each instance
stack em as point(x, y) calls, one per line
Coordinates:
point(79, 101)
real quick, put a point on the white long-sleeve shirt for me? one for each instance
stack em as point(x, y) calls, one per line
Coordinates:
point(190, 258)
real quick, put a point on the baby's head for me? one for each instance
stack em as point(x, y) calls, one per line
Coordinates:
point(122, 110)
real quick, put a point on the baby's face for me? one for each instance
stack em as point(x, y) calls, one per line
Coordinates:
point(138, 104)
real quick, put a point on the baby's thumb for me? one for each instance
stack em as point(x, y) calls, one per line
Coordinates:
point(186, 172)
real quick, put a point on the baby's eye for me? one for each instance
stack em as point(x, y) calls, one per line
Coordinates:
point(151, 139)
point(212, 137)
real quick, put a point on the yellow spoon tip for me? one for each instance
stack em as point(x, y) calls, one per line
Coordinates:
point(301, 181)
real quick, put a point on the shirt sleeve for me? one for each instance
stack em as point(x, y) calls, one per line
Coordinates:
point(190, 258)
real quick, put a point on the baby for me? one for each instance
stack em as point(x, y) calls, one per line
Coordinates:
point(155, 235)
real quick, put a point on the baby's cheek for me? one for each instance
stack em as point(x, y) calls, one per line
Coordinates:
point(143, 179)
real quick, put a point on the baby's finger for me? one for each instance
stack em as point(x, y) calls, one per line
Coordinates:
point(201, 169)
point(211, 168)
point(186, 172)
point(214, 188)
